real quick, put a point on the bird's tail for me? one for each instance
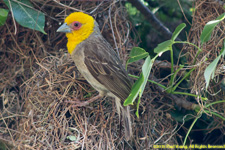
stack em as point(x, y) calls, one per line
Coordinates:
point(125, 112)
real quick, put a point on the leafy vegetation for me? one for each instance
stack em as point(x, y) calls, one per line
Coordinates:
point(3, 16)
point(25, 15)
point(139, 85)
point(169, 13)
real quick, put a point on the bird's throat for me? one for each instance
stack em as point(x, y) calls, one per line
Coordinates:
point(76, 37)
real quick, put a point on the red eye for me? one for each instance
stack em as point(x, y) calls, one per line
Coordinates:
point(76, 25)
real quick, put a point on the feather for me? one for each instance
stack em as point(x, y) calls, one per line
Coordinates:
point(105, 66)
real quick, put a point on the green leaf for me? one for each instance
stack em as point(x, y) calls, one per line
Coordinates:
point(136, 51)
point(134, 91)
point(3, 16)
point(26, 15)
point(136, 54)
point(146, 69)
point(210, 70)
point(139, 85)
point(164, 46)
point(178, 30)
point(207, 30)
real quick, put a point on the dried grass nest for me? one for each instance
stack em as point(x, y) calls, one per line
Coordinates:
point(37, 77)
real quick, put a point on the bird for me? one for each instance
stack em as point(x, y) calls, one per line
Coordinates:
point(98, 63)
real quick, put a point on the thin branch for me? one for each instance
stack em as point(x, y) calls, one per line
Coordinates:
point(181, 102)
point(157, 24)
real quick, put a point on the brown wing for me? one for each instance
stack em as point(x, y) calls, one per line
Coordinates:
point(105, 66)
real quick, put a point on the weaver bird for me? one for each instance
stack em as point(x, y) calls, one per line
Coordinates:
point(98, 63)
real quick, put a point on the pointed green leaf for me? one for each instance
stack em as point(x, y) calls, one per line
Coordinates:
point(26, 15)
point(210, 70)
point(136, 54)
point(134, 91)
point(3, 16)
point(178, 30)
point(137, 51)
point(146, 69)
point(164, 46)
point(139, 85)
point(207, 30)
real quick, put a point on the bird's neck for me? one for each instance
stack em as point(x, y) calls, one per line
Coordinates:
point(76, 37)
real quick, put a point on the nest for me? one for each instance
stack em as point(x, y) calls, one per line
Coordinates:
point(206, 11)
point(38, 76)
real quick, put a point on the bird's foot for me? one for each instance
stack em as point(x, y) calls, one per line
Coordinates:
point(78, 103)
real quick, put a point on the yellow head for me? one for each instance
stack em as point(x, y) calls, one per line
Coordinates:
point(78, 27)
